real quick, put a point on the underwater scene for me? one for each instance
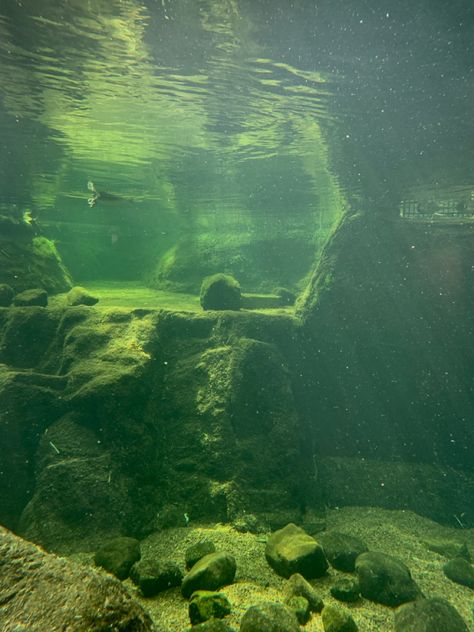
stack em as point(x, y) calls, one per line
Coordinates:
point(236, 315)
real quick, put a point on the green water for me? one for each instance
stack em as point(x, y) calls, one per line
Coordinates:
point(231, 128)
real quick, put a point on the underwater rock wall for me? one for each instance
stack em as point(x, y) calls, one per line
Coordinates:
point(388, 318)
point(32, 262)
point(119, 422)
point(259, 263)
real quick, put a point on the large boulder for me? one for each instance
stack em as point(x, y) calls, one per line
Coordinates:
point(39, 591)
point(385, 579)
point(291, 550)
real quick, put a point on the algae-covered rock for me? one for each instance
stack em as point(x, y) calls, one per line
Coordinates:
point(211, 573)
point(118, 556)
point(299, 587)
point(385, 580)
point(291, 550)
point(429, 615)
point(6, 295)
point(345, 589)
point(206, 604)
point(220, 291)
point(342, 549)
point(338, 619)
point(154, 576)
point(269, 617)
point(460, 571)
point(301, 608)
point(449, 548)
point(33, 261)
point(39, 591)
point(197, 551)
point(34, 297)
point(213, 625)
point(80, 296)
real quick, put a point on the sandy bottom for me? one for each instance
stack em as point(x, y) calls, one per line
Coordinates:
point(399, 533)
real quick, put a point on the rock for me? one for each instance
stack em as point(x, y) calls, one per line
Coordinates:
point(460, 571)
point(220, 291)
point(197, 551)
point(429, 615)
point(28, 298)
point(342, 549)
point(300, 606)
point(338, 619)
point(80, 296)
point(152, 577)
point(118, 556)
point(6, 295)
point(291, 550)
point(298, 586)
point(385, 580)
point(269, 617)
point(345, 589)
point(214, 625)
point(205, 605)
point(211, 573)
point(39, 591)
point(449, 549)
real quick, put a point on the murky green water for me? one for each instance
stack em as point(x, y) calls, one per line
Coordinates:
point(223, 117)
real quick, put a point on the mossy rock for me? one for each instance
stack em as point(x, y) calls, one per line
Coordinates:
point(34, 297)
point(205, 605)
point(338, 619)
point(118, 556)
point(80, 296)
point(220, 292)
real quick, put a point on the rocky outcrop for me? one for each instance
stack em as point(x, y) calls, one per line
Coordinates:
point(39, 591)
point(119, 421)
point(389, 322)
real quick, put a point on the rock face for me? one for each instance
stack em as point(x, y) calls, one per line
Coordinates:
point(40, 592)
point(386, 319)
point(291, 550)
point(211, 573)
point(130, 415)
point(429, 615)
point(28, 261)
point(385, 580)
